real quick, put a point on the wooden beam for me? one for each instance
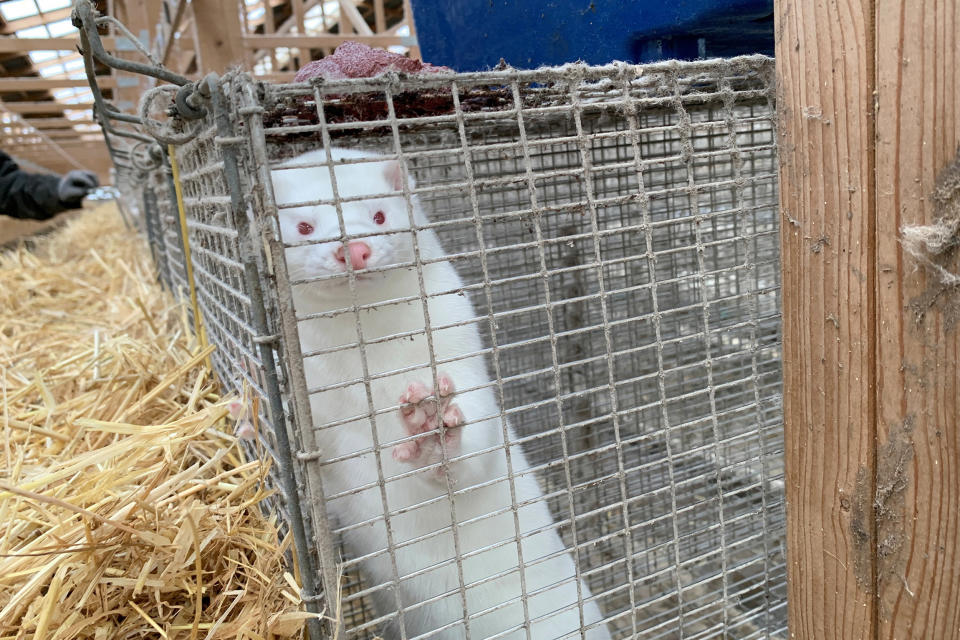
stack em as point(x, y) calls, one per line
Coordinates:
point(344, 23)
point(172, 29)
point(47, 135)
point(19, 131)
point(20, 144)
point(273, 4)
point(11, 44)
point(46, 158)
point(154, 9)
point(270, 27)
point(349, 10)
point(825, 79)
point(35, 21)
point(61, 59)
point(74, 136)
point(44, 152)
point(56, 123)
point(50, 155)
point(279, 76)
point(182, 60)
point(96, 159)
point(219, 35)
point(299, 15)
point(31, 164)
point(191, 59)
point(379, 16)
point(43, 107)
point(13, 141)
point(10, 85)
point(283, 28)
point(291, 20)
point(393, 30)
point(408, 16)
point(136, 16)
point(917, 487)
point(318, 42)
point(870, 114)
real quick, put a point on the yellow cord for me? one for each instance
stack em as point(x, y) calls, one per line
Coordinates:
point(197, 324)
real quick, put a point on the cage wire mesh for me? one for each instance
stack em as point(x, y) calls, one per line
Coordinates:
point(616, 231)
point(222, 294)
point(226, 294)
point(133, 175)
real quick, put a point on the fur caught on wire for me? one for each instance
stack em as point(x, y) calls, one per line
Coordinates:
point(934, 245)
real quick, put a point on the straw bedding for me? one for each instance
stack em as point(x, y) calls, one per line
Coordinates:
point(127, 510)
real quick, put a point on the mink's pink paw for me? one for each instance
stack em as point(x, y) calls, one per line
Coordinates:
point(419, 407)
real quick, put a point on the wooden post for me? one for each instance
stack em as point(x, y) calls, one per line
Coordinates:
point(299, 16)
point(918, 385)
point(136, 17)
point(408, 17)
point(269, 27)
point(219, 35)
point(355, 22)
point(380, 16)
point(869, 100)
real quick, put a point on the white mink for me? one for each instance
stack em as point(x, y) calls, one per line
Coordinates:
point(426, 564)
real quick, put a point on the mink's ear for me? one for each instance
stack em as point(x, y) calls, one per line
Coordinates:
point(394, 175)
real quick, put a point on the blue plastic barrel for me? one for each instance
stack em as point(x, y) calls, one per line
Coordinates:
point(470, 35)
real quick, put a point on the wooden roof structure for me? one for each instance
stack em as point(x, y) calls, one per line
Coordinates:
point(45, 101)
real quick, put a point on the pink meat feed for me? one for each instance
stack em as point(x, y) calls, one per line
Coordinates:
point(356, 60)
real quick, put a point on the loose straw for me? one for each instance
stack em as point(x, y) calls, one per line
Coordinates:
point(127, 508)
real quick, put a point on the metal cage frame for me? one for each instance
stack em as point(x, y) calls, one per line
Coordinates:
point(224, 150)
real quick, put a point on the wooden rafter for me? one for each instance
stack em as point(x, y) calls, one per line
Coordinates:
point(11, 44)
point(56, 123)
point(45, 107)
point(45, 84)
point(190, 38)
point(317, 42)
point(35, 21)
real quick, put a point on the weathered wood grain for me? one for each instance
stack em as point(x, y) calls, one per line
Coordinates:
point(869, 99)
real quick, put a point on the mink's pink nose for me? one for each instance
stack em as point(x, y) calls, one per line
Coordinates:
point(359, 253)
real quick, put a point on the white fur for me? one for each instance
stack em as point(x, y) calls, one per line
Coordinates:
point(480, 407)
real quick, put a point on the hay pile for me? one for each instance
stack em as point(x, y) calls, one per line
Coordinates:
point(126, 508)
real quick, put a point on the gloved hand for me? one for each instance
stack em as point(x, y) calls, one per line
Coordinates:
point(75, 185)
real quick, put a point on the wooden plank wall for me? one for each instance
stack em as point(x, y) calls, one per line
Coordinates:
point(869, 98)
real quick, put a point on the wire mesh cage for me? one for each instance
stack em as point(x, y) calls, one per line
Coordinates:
point(514, 339)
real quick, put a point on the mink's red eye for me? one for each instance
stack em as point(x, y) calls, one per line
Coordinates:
point(379, 217)
point(305, 228)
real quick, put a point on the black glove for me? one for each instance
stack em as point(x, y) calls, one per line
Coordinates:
point(75, 185)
